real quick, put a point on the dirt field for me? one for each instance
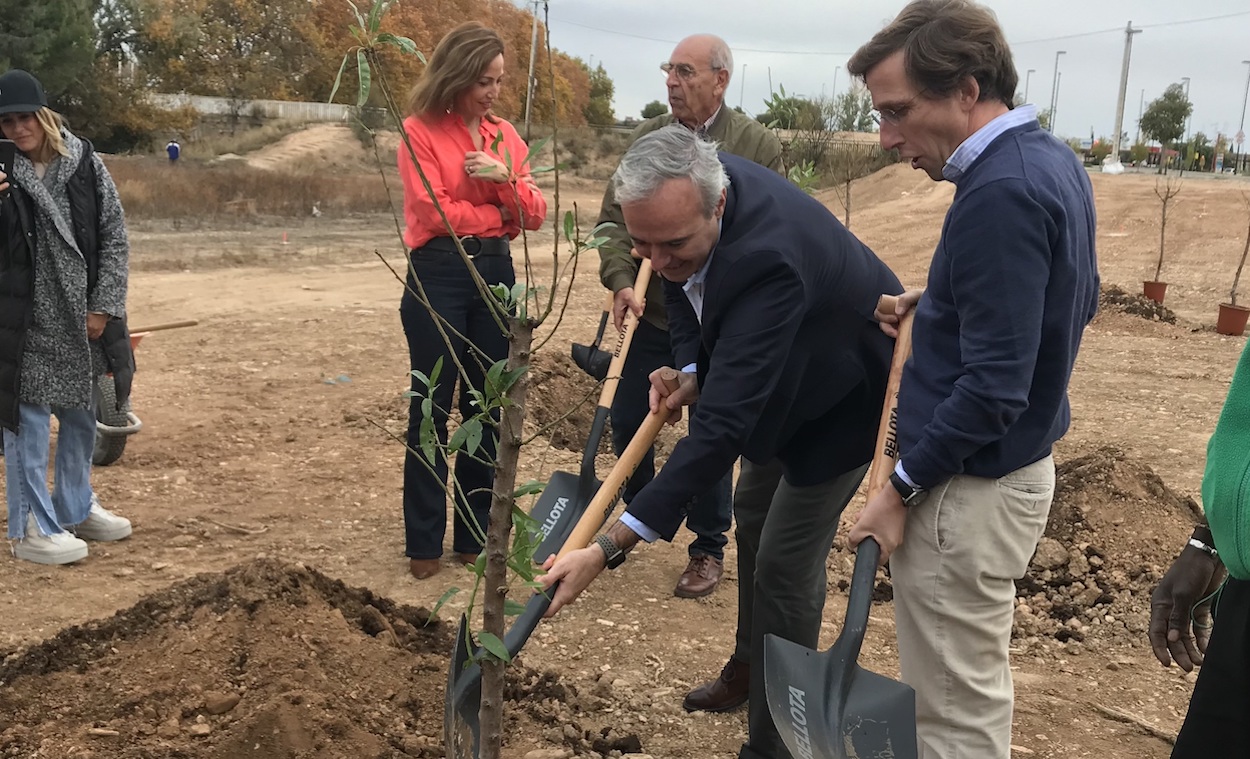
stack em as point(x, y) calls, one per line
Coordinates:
point(265, 456)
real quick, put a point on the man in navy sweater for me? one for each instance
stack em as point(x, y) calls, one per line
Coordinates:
point(771, 309)
point(1012, 284)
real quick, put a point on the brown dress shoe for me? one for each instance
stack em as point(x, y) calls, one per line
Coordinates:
point(700, 578)
point(467, 558)
point(423, 568)
point(729, 691)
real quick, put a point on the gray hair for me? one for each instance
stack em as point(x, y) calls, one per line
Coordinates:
point(672, 152)
point(722, 57)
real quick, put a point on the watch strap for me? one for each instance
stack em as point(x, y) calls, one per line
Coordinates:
point(612, 553)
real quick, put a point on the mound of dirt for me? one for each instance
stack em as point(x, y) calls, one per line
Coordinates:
point(892, 183)
point(1114, 528)
point(563, 399)
point(267, 660)
point(324, 148)
point(1114, 298)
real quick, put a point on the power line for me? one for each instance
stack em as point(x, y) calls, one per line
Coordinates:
point(674, 42)
point(1118, 29)
point(1060, 38)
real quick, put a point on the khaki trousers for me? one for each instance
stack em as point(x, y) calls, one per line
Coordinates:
point(954, 592)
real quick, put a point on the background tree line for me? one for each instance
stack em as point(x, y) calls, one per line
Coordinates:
point(99, 58)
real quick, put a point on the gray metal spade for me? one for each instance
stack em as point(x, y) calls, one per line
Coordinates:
point(824, 705)
point(591, 358)
point(461, 728)
point(566, 494)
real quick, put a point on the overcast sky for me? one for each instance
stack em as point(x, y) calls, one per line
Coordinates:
point(805, 44)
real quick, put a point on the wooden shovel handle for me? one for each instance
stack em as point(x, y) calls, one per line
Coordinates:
point(609, 492)
point(886, 452)
point(168, 325)
point(625, 337)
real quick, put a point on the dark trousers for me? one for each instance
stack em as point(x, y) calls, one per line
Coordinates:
point(784, 535)
point(708, 516)
point(1218, 722)
point(453, 296)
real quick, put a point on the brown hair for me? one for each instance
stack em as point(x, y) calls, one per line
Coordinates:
point(944, 41)
point(460, 58)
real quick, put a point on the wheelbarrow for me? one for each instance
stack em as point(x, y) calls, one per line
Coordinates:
point(114, 426)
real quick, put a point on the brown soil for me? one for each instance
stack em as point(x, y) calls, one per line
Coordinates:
point(1115, 298)
point(268, 433)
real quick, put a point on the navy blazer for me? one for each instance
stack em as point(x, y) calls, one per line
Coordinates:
point(791, 363)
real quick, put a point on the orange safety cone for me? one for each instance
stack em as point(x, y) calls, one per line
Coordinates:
point(284, 240)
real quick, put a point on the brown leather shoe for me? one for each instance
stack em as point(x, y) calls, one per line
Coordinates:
point(729, 691)
point(467, 558)
point(700, 578)
point(423, 569)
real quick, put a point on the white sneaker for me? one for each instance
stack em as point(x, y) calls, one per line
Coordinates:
point(102, 524)
point(61, 548)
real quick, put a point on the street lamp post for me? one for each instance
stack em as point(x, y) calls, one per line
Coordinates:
point(1241, 130)
point(1055, 109)
point(742, 86)
point(1141, 111)
point(1054, 90)
point(1027, 76)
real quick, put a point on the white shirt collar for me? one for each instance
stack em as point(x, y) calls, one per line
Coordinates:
point(971, 149)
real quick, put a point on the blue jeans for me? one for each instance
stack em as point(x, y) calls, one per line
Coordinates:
point(454, 297)
point(26, 469)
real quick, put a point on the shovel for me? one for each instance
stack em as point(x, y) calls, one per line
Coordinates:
point(591, 358)
point(462, 699)
point(566, 494)
point(824, 705)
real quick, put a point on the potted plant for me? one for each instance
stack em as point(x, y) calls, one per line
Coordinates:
point(1232, 319)
point(1155, 289)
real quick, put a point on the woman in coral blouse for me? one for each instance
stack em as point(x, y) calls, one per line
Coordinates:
point(474, 162)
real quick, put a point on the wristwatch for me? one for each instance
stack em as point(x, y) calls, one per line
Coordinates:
point(911, 496)
point(611, 551)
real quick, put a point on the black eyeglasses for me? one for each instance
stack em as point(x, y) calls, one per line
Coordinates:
point(895, 116)
point(684, 70)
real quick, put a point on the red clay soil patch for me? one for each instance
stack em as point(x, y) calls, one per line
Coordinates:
point(266, 660)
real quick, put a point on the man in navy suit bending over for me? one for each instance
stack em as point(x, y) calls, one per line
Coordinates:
point(770, 304)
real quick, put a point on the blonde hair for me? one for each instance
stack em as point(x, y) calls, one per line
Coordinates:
point(53, 144)
point(458, 61)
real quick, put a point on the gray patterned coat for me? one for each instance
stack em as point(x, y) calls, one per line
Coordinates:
point(59, 363)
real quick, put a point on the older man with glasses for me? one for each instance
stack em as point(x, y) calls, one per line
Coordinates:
point(697, 75)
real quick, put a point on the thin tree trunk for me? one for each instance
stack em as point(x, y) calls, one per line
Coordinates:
point(848, 203)
point(1232, 296)
point(1163, 228)
point(490, 714)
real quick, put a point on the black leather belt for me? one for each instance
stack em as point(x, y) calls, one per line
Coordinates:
point(476, 247)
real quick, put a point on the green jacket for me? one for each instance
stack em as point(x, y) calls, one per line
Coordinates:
point(737, 133)
point(1226, 482)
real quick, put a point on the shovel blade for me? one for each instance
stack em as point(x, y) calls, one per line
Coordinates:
point(462, 700)
point(592, 360)
point(557, 511)
point(826, 707)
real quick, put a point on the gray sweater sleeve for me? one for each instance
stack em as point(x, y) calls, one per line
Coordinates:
point(109, 295)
